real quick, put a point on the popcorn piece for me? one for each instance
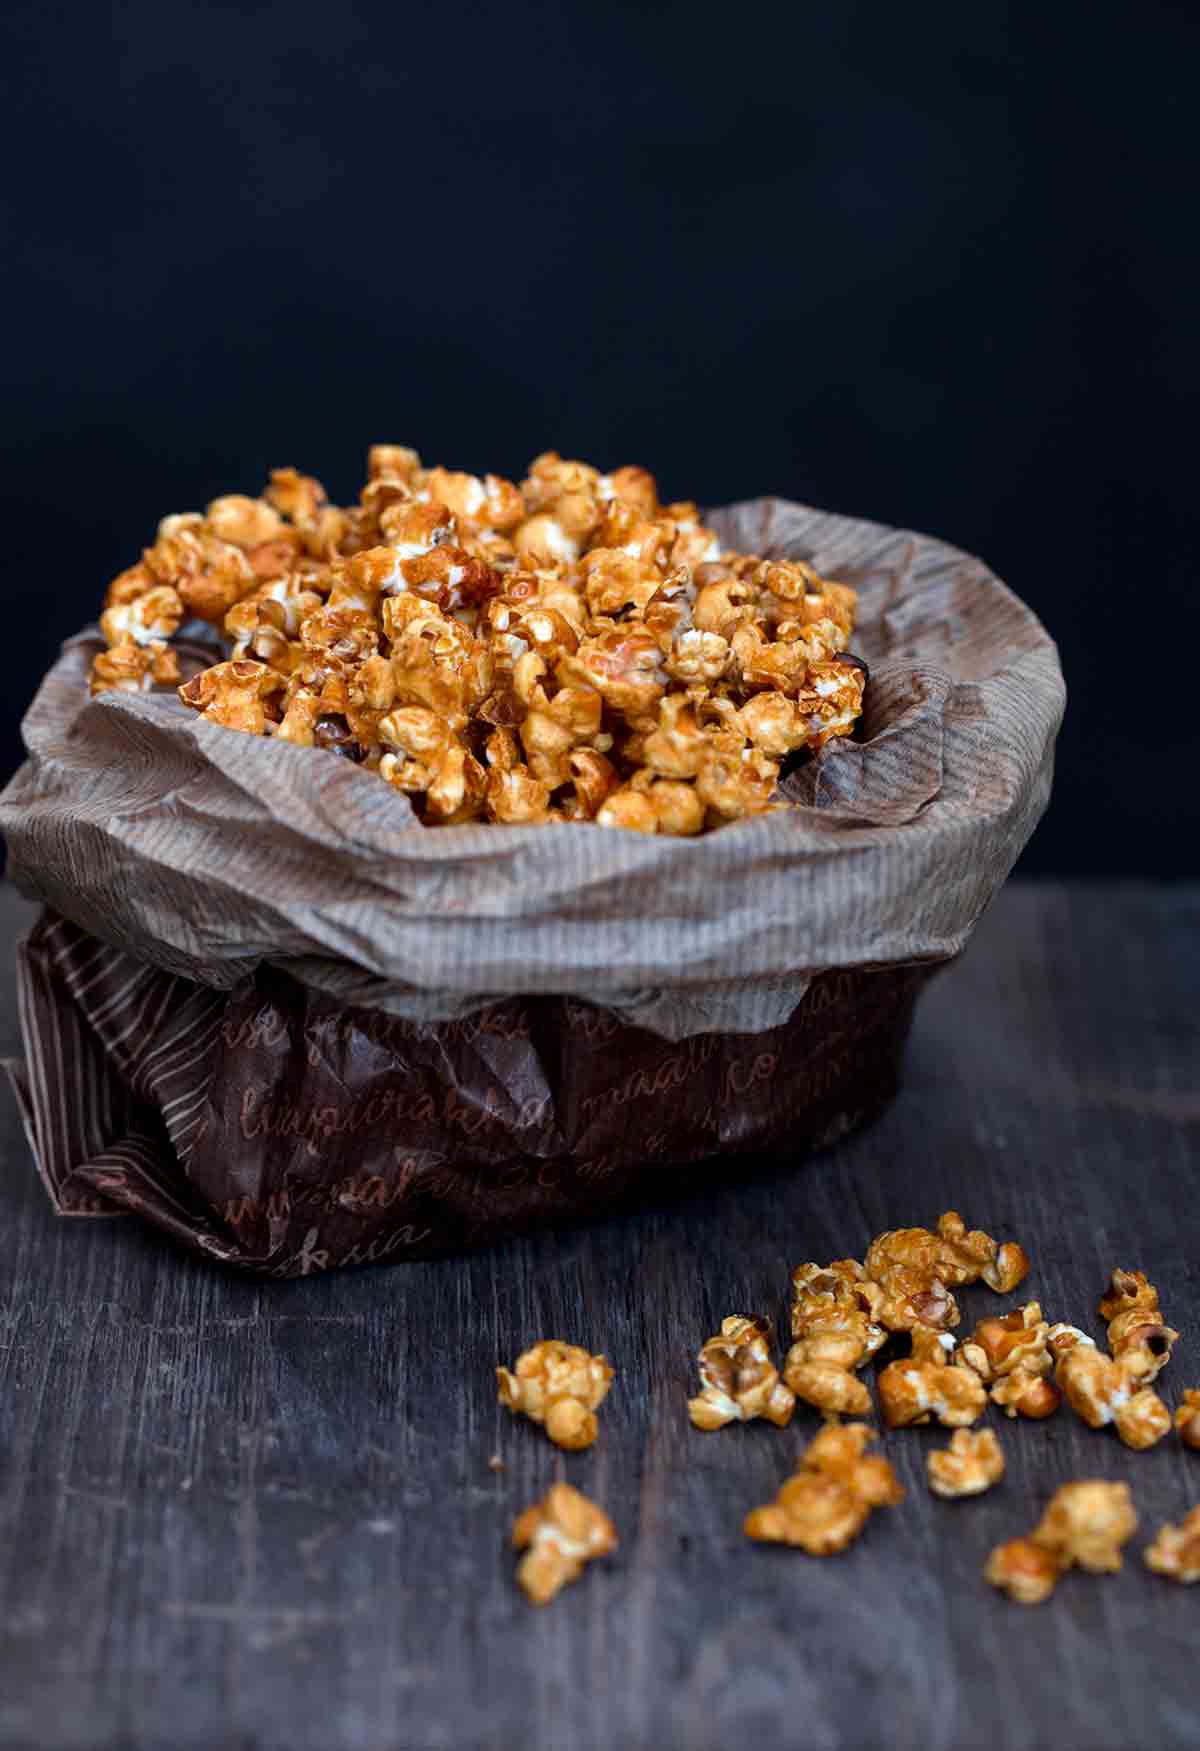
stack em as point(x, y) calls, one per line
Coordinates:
point(965, 1258)
point(904, 1263)
point(1026, 1395)
point(243, 521)
point(1086, 1523)
point(560, 1386)
point(825, 1505)
point(133, 668)
point(826, 1384)
point(559, 1534)
point(1008, 1342)
point(922, 1385)
point(1127, 1290)
point(972, 1463)
point(1103, 1391)
point(916, 1268)
point(235, 695)
point(1138, 1335)
point(738, 1379)
point(1060, 1338)
point(1187, 1419)
point(833, 1314)
point(149, 619)
point(1010, 1353)
point(1023, 1570)
point(1175, 1552)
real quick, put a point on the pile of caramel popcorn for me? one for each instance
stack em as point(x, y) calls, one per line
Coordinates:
point(842, 1315)
point(568, 649)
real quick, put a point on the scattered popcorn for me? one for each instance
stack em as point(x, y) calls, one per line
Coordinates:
point(833, 1314)
point(972, 1463)
point(1026, 1395)
point(826, 1504)
point(1138, 1335)
point(1187, 1418)
point(924, 1385)
point(1060, 1338)
point(1176, 1550)
point(1102, 1390)
point(917, 1268)
point(559, 1535)
point(1007, 1343)
point(1086, 1523)
point(1010, 1353)
point(560, 1386)
point(829, 1386)
point(648, 679)
point(1023, 1570)
point(738, 1379)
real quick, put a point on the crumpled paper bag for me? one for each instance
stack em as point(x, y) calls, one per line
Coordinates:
point(261, 985)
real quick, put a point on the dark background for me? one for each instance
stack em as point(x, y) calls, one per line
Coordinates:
point(932, 265)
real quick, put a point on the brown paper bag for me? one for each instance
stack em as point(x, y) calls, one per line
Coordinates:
point(274, 1013)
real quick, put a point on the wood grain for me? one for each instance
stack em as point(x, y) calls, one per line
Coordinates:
point(245, 1514)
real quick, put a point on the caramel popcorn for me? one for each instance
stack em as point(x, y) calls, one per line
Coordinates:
point(1061, 1337)
point(833, 1314)
point(1007, 1342)
point(1009, 1352)
point(560, 1386)
point(1176, 1550)
point(917, 1268)
point(1085, 1524)
point(559, 1535)
point(972, 1463)
point(1026, 1395)
point(738, 1379)
point(827, 1385)
point(826, 1504)
point(1023, 1570)
point(1187, 1418)
point(651, 680)
point(1102, 1390)
point(133, 668)
point(924, 1385)
point(1138, 1335)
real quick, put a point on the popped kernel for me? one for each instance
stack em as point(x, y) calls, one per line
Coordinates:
point(1023, 1570)
point(738, 1380)
point(825, 1505)
point(924, 1384)
point(1187, 1418)
point(834, 1311)
point(1009, 1353)
point(1175, 1551)
point(1101, 1390)
point(560, 1386)
point(1138, 1335)
point(826, 1384)
point(134, 668)
point(1020, 1394)
point(559, 1534)
point(971, 1464)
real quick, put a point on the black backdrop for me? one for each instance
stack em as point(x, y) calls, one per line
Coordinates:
point(931, 265)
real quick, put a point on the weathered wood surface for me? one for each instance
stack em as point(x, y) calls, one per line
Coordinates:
point(236, 1513)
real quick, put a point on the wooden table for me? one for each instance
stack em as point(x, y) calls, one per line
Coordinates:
point(236, 1513)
